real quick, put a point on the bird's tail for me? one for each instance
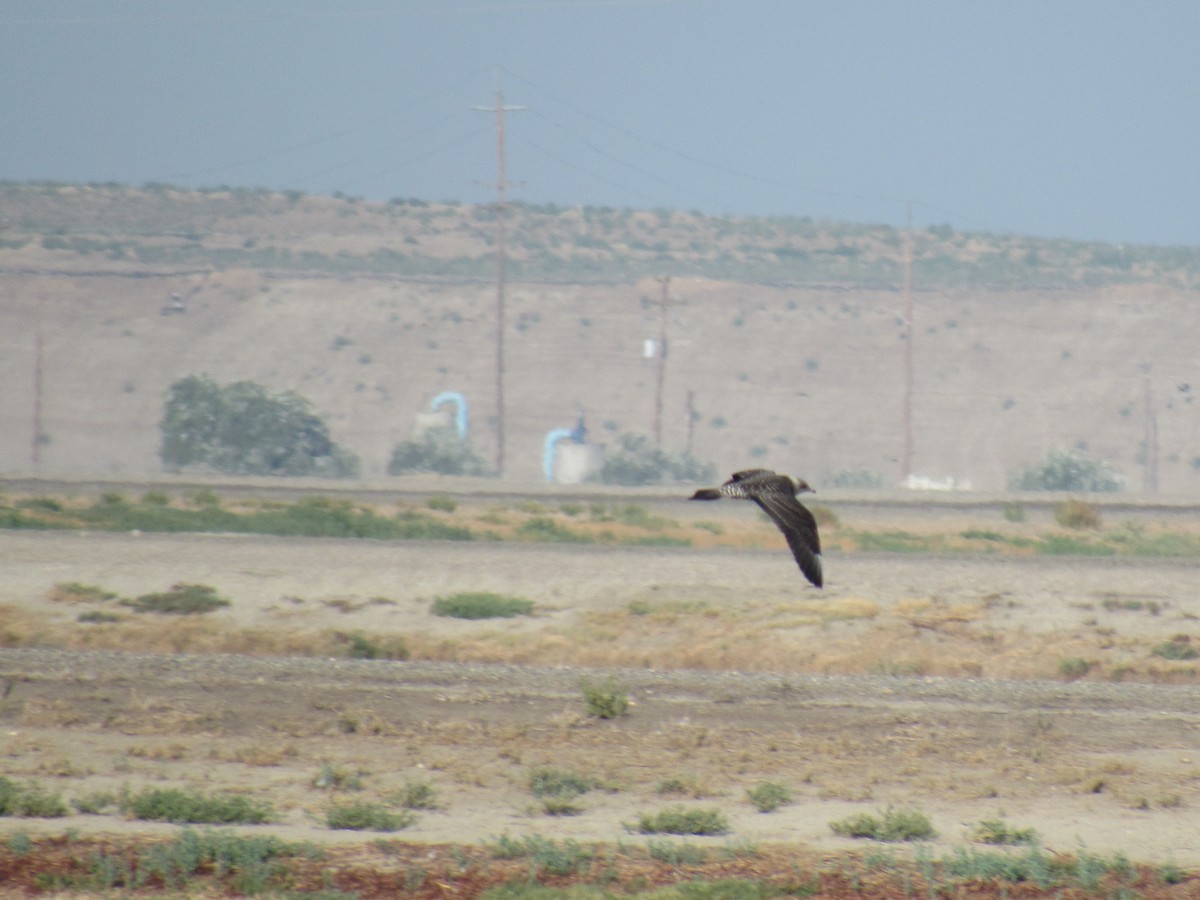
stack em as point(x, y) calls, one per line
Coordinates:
point(706, 494)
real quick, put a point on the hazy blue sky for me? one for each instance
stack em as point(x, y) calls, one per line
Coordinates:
point(1049, 117)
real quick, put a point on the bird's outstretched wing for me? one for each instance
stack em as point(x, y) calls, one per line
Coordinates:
point(798, 527)
point(776, 495)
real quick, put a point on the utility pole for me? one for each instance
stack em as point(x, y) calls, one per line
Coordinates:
point(906, 408)
point(35, 450)
point(501, 186)
point(665, 281)
point(1150, 443)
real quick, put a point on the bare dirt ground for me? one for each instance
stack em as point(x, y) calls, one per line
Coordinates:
point(935, 684)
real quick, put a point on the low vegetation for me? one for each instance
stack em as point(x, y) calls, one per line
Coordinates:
point(768, 796)
point(191, 807)
point(605, 699)
point(442, 518)
point(367, 816)
point(180, 600)
point(155, 224)
point(682, 820)
point(891, 825)
point(225, 863)
point(481, 605)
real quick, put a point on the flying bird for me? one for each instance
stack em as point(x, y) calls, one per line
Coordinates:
point(776, 494)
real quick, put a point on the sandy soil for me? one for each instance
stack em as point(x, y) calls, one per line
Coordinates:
point(1113, 767)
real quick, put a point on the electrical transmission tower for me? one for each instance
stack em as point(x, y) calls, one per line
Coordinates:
point(502, 185)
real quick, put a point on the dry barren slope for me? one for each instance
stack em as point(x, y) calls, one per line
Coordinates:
point(800, 379)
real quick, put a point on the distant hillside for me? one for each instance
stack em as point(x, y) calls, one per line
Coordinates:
point(785, 335)
point(110, 226)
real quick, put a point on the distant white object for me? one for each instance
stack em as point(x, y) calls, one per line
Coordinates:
point(925, 483)
point(441, 420)
point(649, 348)
point(574, 463)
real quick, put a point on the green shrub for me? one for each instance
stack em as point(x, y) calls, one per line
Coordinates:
point(768, 796)
point(1065, 470)
point(548, 856)
point(438, 450)
point(675, 853)
point(548, 782)
point(605, 700)
point(442, 503)
point(249, 864)
point(481, 605)
point(359, 646)
point(1073, 667)
point(74, 592)
point(97, 617)
point(996, 831)
point(180, 600)
point(892, 825)
point(29, 800)
point(367, 817)
point(417, 793)
point(637, 462)
point(682, 820)
point(1178, 648)
point(180, 806)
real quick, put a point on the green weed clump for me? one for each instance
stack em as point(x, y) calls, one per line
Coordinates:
point(1178, 648)
point(1073, 668)
point(366, 816)
point(189, 807)
point(683, 820)
point(890, 826)
point(481, 605)
point(675, 853)
point(997, 831)
point(559, 789)
point(359, 646)
point(417, 793)
point(241, 865)
point(180, 600)
point(544, 855)
point(74, 592)
point(606, 699)
point(29, 800)
point(768, 796)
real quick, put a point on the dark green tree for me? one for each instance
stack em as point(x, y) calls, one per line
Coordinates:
point(243, 429)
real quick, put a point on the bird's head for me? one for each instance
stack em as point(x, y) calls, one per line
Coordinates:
point(802, 487)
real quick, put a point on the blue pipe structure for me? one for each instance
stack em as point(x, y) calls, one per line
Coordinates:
point(460, 413)
point(552, 439)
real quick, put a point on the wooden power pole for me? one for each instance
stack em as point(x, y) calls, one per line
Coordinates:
point(665, 281)
point(906, 454)
point(502, 186)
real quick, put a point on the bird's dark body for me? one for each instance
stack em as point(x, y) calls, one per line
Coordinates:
point(776, 495)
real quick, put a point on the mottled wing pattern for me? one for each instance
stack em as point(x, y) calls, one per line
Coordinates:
point(776, 495)
point(747, 483)
point(798, 527)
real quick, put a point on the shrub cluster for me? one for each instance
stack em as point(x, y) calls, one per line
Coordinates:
point(242, 429)
point(637, 462)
